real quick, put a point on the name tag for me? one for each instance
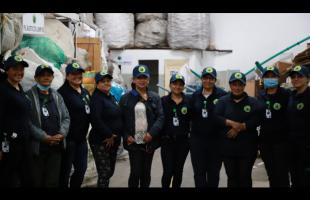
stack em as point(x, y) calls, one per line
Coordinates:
point(87, 109)
point(204, 113)
point(5, 146)
point(268, 113)
point(45, 112)
point(175, 121)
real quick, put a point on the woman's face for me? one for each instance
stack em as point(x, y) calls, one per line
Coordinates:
point(177, 87)
point(141, 82)
point(105, 84)
point(75, 78)
point(236, 87)
point(208, 82)
point(16, 73)
point(45, 78)
point(299, 81)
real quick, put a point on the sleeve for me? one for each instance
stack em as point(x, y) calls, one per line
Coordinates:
point(219, 113)
point(65, 119)
point(2, 114)
point(160, 118)
point(96, 110)
point(123, 110)
point(256, 117)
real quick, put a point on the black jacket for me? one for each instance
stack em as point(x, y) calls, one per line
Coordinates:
point(182, 113)
point(76, 103)
point(15, 110)
point(106, 117)
point(299, 116)
point(154, 113)
point(274, 129)
point(247, 111)
point(205, 127)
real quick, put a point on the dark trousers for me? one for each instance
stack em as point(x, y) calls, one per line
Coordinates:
point(299, 164)
point(46, 168)
point(16, 165)
point(75, 154)
point(173, 156)
point(105, 163)
point(206, 161)
point(275, 157)
point(239, 170)
point(140, 168)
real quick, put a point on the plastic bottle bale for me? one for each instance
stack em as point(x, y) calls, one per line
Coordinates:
point(87, 17)
point(45, 48)
point(151, 33)
point(188, 30)
point(7, 33)
point(118, 29)
point(60, 34)
point(142, 17)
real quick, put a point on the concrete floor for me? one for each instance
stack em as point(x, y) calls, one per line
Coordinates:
point(121, 174)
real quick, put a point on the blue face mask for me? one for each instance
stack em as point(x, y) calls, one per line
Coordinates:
point(43, 88)
point(270, 83)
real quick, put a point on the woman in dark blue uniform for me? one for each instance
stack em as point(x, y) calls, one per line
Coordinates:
point(175, 134)
point(299, 123)
point(238, 115)
point(77, 100)
point(273, 138)
point(204, 139)
point(107, 125)
point(15, 108)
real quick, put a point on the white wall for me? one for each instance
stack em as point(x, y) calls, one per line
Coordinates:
point(255, 37)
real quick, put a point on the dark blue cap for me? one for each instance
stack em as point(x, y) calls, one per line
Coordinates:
point(42, 68)
point(13, 61)
point(74, 67)
point(209, 71)
point(237, 76)
point(100, 75)
point(271, 69)
point(176, 77)
point(300, 69)
point(141, 70)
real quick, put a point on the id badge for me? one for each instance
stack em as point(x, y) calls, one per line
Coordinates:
point(5, 146)
point(268, 114)
point(175, 121)
point(87, 109)
point(45, 112)
point(204, 113)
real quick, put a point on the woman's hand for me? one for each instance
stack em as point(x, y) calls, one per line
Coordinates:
point(130, 140)
point(147, 138)
point(109, 142)
point(232, 133)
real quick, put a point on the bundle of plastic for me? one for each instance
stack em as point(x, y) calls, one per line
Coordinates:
point(142, 17)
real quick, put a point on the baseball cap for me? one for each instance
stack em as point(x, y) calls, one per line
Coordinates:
point(140, 70)
point(176, 77)
point(100, 75)
point(300, 69)
point(42, 68)
point(209, 71)
point(237, 76)
point(271, 69)
point(74, 67)
point(13, 61)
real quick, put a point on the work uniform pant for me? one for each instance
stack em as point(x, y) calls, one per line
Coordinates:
point(239, 170)
point(275, 157)
point(299, 165)
point(140, 168)
point(173, 156)
point(105, 163)
point(46, 168)
point(206, 161)
point(16, 165)
point(75, 154)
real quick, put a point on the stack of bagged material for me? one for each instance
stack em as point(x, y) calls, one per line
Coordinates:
point(303, 58)
point(188, 30)
point(151, 31)
point(118, 29)
point(87, 18)
point(11, 31)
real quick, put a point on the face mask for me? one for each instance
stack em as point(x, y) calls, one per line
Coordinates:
point(43, 88)
point(270, 83)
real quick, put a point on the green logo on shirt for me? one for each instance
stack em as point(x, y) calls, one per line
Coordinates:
point(215, 101)
point(300, 106)
point(247, 108)
point(277, 106)
point(184, 110)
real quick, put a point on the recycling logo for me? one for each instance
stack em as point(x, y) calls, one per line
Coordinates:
point(270, 68)
point(18, 58)
point(247, 108)
point(44, 66)
point(277, 106)
point(300, 106)
point(209, 70)
point(184, 110)
point(238, 75)
point(75, 65)
point(178, 76)
point(297, 68)
point(141, 69)
point(103, 72)
point(215, 101)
